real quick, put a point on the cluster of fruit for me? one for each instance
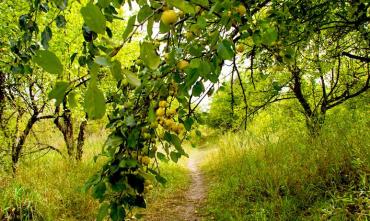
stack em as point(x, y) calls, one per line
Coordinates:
point(165, 118)
point(147, 186)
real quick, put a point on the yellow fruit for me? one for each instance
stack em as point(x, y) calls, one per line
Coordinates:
point(160, 112)
point(240, 48)
point(169, 123)
point(154, 125)
point(241, 10)
point(229, 13)
point(147, 136)
point(197, 8)
point(145, 160)
point(189, 35)
point(124, 82)
point(162, 103)
point(182, 64)
point(147, 182)
point(174, 127)
point(169, 17)
point(171, 112)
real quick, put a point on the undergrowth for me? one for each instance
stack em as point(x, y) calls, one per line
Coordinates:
point(283, 174)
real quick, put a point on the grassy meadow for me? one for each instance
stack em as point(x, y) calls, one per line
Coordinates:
point(277, 172)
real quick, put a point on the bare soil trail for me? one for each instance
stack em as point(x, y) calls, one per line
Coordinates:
point(185, 204)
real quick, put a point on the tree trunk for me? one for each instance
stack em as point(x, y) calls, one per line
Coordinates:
point(314, 123)
point(81, 140)
point(66, 127)
point(2, 94)
point(314, 119)
point(18, 145)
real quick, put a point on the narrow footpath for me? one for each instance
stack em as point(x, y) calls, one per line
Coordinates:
point(184, 205)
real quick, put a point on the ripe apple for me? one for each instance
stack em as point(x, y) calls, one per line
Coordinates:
point(240, 48)
point(182, 64)
point(160, 112)
point(169, 17)
point(241, 10)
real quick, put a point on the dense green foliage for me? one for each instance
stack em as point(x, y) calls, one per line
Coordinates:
point(78, 54)
point(274, 171)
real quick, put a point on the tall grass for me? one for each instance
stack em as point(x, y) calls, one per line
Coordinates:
point(282, 174)
point(48, 187)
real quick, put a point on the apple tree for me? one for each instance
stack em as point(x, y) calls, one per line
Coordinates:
point(184, 46)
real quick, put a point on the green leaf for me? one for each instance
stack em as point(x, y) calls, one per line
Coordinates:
point(149, 27)
point(182, 5)
point(104, 3)
point(116, 70)
point(129, 27)
point(46, 36)
point(117, 213)
point(114, 141)
point(93, 18)
point(163, 28)
point(160, 179)
point(48, 61)
point(174, 140)
point(103, 61)
point(72, 100)
point(151, 114)
point(198, 89)
point(162, 157)
point(203, 3)
point(103, 212)
point(58, 92)
point(132, 138)
point(225, 50)
point(257, 39)
point(99, 190)
point(61, 4)
point(132, 78)
point(175, 156)
point(144, 13)
point(188, 123)
point(60, 21)
point(149, 55)
point(130, 121)
point(94, 104)
point(269, 36)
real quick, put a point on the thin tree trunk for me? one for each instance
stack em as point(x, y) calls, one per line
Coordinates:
point(18, 145)
point(314, 119)
point(66, 127)
point(2, 94)
point(81, 140)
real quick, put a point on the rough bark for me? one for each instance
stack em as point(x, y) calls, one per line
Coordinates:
point(2, 94)
point(19, 144)
point(81, 140)
point(66, 128)
point(314, 119)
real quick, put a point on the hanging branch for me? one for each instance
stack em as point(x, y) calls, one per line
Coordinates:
point(243, 90)
point(253, 53)
point(232, 91)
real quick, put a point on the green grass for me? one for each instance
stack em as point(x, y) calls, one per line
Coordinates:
point(282, 174)
point(50, 187)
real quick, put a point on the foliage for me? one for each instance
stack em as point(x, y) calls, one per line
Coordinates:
point(186, 46)
point(274, 171)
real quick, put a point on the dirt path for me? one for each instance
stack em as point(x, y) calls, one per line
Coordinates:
point(184, 205)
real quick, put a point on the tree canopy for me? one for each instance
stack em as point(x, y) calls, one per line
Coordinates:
point(313, 51)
